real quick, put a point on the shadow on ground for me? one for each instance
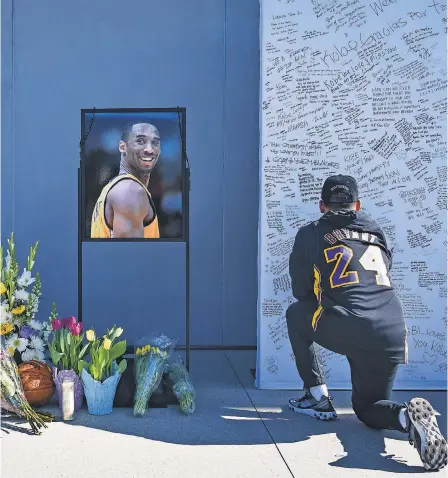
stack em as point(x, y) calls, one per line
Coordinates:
point(230, 414)
point(363, 448)
point(240, 425)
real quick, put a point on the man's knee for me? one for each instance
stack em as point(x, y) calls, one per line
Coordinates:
point(298, 310)
point(299, 313)
point(363, 415)
point(359, 411)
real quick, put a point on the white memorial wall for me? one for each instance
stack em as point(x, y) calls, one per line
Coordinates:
point(355, 87)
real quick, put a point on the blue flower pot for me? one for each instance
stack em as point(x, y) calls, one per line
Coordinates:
point(100, 395)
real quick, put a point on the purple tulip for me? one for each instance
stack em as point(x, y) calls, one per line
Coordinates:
point(69, 322)
point(76, 329)
point(26, 332)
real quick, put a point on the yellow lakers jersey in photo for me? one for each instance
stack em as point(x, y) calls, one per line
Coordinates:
point(99, 227)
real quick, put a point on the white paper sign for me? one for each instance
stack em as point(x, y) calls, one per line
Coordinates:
point(355, 87)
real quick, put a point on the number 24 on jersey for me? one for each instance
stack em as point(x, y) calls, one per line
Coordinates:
point(371, 260)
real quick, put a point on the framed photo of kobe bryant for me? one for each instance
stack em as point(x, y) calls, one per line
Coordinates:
point(132, 174)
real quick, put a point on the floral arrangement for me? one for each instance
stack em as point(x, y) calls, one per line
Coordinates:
point(104, 354)
point(66, 350)
point(149, 367)
point(182, 386)
point(19, 305)
point(13, 397)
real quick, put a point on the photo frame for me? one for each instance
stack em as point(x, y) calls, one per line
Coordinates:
point(88, 118)
point(133, 175)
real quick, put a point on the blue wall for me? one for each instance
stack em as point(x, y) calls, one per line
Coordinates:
point(59, 57)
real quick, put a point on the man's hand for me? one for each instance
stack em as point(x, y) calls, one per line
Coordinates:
point(130, 206)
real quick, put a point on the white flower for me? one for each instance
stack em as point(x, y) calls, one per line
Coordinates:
point(4, 314)
point(25, 279)
point(40, 355)
point(8, 261)
point(17, 342)
point(29, 354)
point(45, 335)
point(36, 325)
point(22, 294)
point(37, 343)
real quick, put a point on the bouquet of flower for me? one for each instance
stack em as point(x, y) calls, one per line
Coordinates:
point(19, 305)
point(13, 397)
point(103, 354)
point(182, 386)
point(149, 367)
point(66, 351)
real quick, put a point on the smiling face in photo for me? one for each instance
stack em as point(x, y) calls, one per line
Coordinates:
point(142, 147)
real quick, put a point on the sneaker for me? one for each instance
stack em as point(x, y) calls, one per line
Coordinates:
point(307, 405)
point(425, 435)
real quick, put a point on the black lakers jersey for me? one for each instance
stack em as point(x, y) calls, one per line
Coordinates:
point(342, 263)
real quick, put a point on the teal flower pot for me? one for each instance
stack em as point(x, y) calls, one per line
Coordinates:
point(100, 395)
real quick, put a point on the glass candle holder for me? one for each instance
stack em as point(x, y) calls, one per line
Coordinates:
point(68, 399)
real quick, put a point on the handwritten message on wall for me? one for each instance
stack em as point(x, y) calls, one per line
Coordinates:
point(356, 87)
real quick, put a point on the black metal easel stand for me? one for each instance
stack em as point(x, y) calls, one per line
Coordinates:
point(126, 387)
point(187, 269)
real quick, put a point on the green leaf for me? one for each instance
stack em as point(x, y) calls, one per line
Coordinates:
point(93, 352)
point(62, 340)
point(81, 365)
point(69, 341)
point(122, 366)
point(94, 372)
point(103, 357)
point(55, 356)
point(79, 340)
point(117, 350)
point(73, 359)
point(83, 351)
point(110, 332)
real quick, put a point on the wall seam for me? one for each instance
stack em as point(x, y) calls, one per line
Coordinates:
point(224, 109)
point(13, 83)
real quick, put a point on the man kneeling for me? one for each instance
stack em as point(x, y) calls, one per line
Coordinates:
point(339, 268)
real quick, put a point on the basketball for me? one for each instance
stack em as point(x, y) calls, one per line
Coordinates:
point(37, 382)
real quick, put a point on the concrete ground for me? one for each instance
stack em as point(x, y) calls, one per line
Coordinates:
point(236, 431)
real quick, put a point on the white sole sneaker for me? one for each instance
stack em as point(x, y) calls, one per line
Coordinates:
point(425, 435)
point(320, 414)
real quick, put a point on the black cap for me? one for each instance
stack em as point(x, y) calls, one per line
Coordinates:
point(340, 189)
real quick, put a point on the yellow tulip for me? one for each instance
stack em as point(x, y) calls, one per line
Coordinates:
point(90, 335)
point(107, 343)
point(138, 351)
point(2, 288)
